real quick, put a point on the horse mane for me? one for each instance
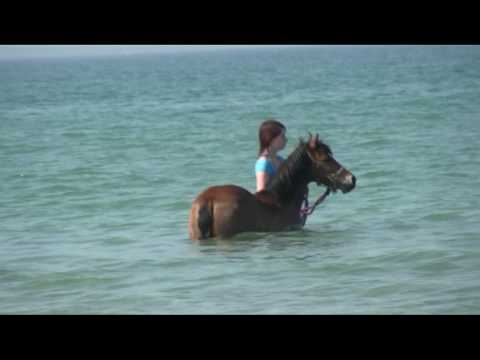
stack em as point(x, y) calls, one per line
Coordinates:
point(292, 171)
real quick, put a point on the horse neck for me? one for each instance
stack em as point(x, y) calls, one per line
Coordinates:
point(291, 189)
point(299, 196)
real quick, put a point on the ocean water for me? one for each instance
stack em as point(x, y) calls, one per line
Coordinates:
point(101, 158)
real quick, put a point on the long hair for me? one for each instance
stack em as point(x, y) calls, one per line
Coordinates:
point(268, 131)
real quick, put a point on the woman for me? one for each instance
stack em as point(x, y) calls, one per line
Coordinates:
point(272, 137)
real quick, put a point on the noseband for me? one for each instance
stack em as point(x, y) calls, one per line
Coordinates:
point(308, 210)
point(333, 178)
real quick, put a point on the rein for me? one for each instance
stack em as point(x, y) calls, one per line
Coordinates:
point(308, 210)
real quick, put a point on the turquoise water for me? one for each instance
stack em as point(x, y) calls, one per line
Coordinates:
point(101, 158)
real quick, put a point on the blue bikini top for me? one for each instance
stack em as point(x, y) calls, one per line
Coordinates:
point(264, 164)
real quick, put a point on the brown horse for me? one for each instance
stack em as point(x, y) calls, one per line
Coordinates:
point(227, 210)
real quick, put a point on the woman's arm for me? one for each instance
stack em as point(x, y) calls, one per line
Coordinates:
point(262, 180)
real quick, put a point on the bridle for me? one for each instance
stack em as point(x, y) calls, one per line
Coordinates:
point(308, 210)
point(333, 178)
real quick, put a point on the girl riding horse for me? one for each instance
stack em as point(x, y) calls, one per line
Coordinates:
point(229, 209)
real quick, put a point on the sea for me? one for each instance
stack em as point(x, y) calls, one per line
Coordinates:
point(102, 156)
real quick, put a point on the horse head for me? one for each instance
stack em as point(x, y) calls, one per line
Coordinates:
point(325, 169)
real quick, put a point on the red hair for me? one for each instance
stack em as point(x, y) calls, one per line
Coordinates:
point(268, 131)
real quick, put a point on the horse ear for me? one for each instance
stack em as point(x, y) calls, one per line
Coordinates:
point(311, 141)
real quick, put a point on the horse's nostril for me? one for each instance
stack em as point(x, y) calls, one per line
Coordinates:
point(354, 180)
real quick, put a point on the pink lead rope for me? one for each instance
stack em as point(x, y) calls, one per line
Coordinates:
point(308, 210)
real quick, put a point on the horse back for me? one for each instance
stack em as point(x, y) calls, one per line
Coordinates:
point(226, 193)
point(224, 211)
point(237, 195)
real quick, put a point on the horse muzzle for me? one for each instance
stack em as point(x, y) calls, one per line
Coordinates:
point(348, 183)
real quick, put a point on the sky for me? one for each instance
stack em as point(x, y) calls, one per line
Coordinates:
point(55, 51)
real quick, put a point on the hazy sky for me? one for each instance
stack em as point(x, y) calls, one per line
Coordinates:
point(37, 51)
